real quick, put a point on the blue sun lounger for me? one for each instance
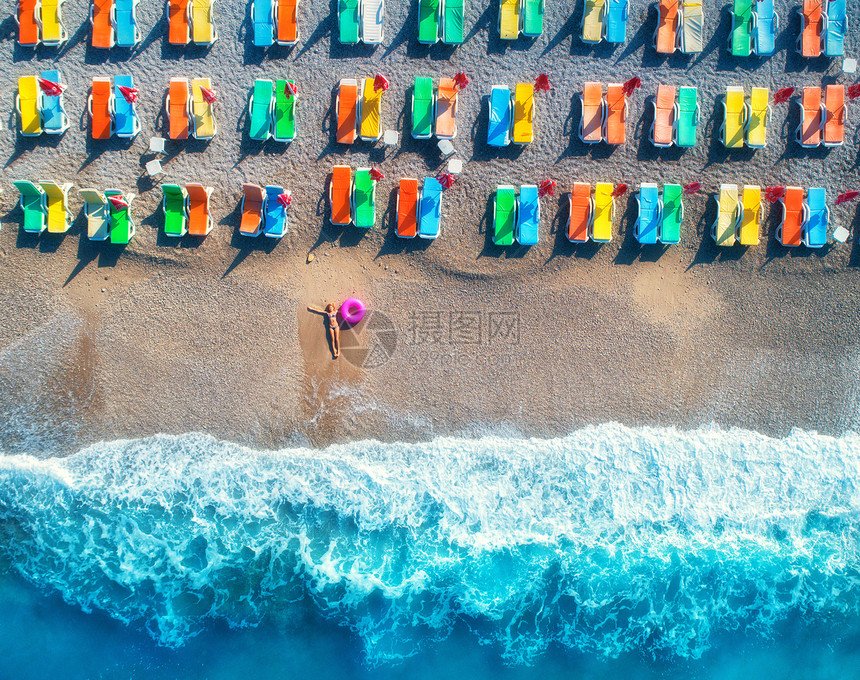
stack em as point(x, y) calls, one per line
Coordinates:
point(648, 219)
point(263, 18)
point(54, 118)
point(126, 123)
point(766, 26)
point(528, 216)
point(835, 25)
point(615, 21)
point(125, 20)
point(430, 210)
point(499, 130)
point(274, 213)
point(817, 218)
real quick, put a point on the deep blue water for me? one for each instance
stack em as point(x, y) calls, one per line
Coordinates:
point(614, 552)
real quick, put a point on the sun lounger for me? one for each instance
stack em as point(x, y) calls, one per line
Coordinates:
point(28, 103)
point(790, 230)
point(499, 129)
point(579, 213)
point(809, 131)
point(750, 222)
point(263, 21)
point(27, 19)
point(347, 110)
point(56, 204)
point(593, 113)
point(603, 212)
point(663, 127)
point(340, 195)
point(504, 215)
point(648, 219)
point(528, 216)
point(100, 106)
point(126, 122)
point(430, 209)
point(615, 21)
point(372, 20)
point(202, 27)
point(348, 21)
point(817, 218)
point(32, 202)
point(687, 123)
point(200, 220)
point(176, 105)
point(765, 27)
point(173, 205)
point(276, 221)
point(101, 19)
point(125, 23)
point(524, 110)
point(287, 21)
point(369, 127)
point(285, 112)
point(725, 228)
point(429, 21)
point(592, 21)
point(407, 208)
point(51, 19)
point(509, 19)
point(96, 210)
point(666, 35)
point(740, 43)
point(253, 199)
point(422, 108)
point(671, 214)
point(53, 111)
point(364, 199)
point(834, 116)
point(453, 28)
point(691, 27)
point(734, 118)
point(446, 109)
point(532, 18)
point(615, 107)
point(202, 111)
point(758, 117)
point(122, 226)
point(835, 28)
point(812, 21)
point(260, 110)
point(178, 22)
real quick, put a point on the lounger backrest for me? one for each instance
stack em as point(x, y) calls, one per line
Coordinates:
point(667, 26)
point(125, 113)
point(288, 21)
point(816, 225)
point(810, 38)
point(97, 214)
point(617, 12)
point(371, 104)
point(592, 20)
point(498, 132)
point(341, 188)
point(32, 203)
point(759, 113)
point(178, 109)
point(834, 105)
point(649, 213)
point(29, 104)
point(592, 112)
point(735, 112)
point(252, 208)
point(28, 23)
point(347, 110)
point(616, 114)
point(751, 220)
point(102, 120)
point(179, 25)
point(725, 231)
point(835, 27)
point(509, 19)
point(264, 34)
point(792, 224)
point(102, 20)
point(664, 114)
point(52, 26)
point(810, 126)
point(601, 229)
point(407, 208)
point(202, 28)
point(524, 113)
point(446, 107)
point(199, 222)
point(580, 212)
point(202, 111)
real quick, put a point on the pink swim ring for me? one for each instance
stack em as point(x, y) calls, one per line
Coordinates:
point(352, 310)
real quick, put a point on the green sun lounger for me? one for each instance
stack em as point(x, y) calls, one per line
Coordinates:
point(122, 227)
point(741, 41)
point(33, 204)
point(422, 108)
point(504, 215)
point(260, 110)
point(285, 112)
point(452, 22)
point(364, 199)
point(688, 116)
point(673, 213)
point(429, 18)
point(532, 18)
point(348, 20)
point(173, 204)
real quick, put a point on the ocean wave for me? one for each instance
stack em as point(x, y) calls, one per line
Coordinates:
point(607, 541)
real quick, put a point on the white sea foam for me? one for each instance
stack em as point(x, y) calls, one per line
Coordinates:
point(609, 540)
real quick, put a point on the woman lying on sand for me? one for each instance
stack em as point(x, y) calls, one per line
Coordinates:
point(332, 328)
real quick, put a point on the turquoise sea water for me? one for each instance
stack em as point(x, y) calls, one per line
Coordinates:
point(614, 552)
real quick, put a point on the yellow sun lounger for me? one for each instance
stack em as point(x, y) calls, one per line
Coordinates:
point(524, 109)
point(509, 19)
point(28, 105)
point(202, 28)
point(604, 212)
point(203, 112)
point(369, 128)
point(734, 118)
point(57, 206)
point(751, 210)
point(593, 20)
point(724, 229)
point(758, 117)
point(51, 18)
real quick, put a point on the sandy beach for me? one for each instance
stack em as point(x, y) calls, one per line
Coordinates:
point(463, 337)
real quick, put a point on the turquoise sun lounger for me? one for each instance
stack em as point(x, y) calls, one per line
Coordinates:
point(504, 215)
point(260, 110)
point(275, 220)
point(499, 129)
point(528, 215)
point(430, 210)
point(817, 218)
point(32, 202)
point(688, 116)
point(53, 112)
point(531, 16)
point(615, 21)
point(126, 122)
point(766, 26)
point(453, 28)
point(125, 19)
point(835, 27)
point(263, 18)
point(349, 21)
point(648, 220)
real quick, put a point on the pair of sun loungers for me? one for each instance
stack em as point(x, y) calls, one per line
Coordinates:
point(108, 215)
point(39, 111)
point(660, 214)
point(112, 108)
point(264, 211)
point(822, 121)
point(676, 116)
point(516, 218)
point(754, 27)
point(511, 118)
point(804, 220)
point(520, 17)
point(680, 26)
point(186, 210)
point(40, 21)
point(739, 215)
point(605, 20)
point(745, 120)
point(419, 211)
point(590, 217)
point(434, 112)
point(352, 199)
point(359, 110)
point(114, 23)
point(604, 116)
point(272, 110)
point(45, 206)
point(441, 20)
point(275, 21)
point(191, 21)
point(823, 27)
point(188, 110)
point(360, 20)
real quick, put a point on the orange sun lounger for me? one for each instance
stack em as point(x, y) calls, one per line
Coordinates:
point(834, 112)
point(446, 109)
point(663, 129)
point(252, 210)
point(810, 35)
point(178, 24)
point(809, 130)
point(790, 231)
point(666, 37)
point(28, 25)
point(197, 206)
point(580, 213)
point(101, 18)
point(101, 109)
point(591, 124)
point(347, 108)
point(340, 193)
point(177, 108)
point(288, 22)
point(407, 208)
point(616, 114)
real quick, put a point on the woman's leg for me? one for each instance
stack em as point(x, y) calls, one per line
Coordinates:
point(336, 332)
point(329, 336)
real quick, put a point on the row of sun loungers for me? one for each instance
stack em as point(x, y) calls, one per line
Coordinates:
point(40, 22)
point(754, 27)
point(39, 104)
point(190, 109)
point(822, 119)
point(605, 20)
point(360, 21)
point(511, 117)
point(680, 26)
point(591, 217)
point(516, 217)
point(275, 21)
point(604, 116)
point(272, 110)
point(112, 109)
point(264, 211)
point(186, 210)
point(359, 109)
point(823, 27)
point(441, 20)
point(520, 17)
point(434, 113)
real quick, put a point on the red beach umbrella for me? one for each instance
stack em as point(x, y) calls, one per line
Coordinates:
point(376, 175)
point(692, 188)
point(619, 190)
point(118, 202)
point(542, 83)
point(446, 179)
point(285, 200)
point(460, 81)
point(129, 93)
point(773, 194)
point(50, 88)
point(846, 196)
point(289, 88)
point(210, 96)
point(854, 91)
point(547, 187)
point(380, 83)
point(783, 95)
point(630, 85)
